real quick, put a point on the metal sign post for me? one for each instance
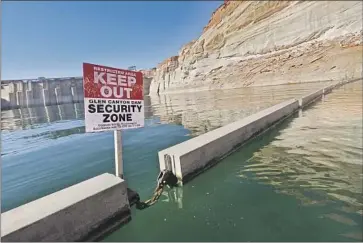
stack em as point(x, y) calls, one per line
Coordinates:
point(119, 169)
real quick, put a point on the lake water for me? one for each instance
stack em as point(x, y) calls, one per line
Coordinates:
point(299, 182)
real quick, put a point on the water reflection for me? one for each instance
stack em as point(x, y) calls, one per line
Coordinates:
point(207, 110)
point(173, 196)
point(29, 117)
point(318, 158)
point(200, 112)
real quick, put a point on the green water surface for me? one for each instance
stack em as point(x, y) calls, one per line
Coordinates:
point(299, 182)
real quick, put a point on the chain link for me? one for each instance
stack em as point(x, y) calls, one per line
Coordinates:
point(165, 178)
point(157, 193)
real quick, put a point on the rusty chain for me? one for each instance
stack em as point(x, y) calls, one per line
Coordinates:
point(165, 178)
point(157, 193)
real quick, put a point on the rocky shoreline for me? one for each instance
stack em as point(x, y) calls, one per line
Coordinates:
point(260, 43)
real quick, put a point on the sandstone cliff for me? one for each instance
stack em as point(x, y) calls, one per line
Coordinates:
point(254, 43)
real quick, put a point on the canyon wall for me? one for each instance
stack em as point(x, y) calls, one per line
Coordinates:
point(258, 43)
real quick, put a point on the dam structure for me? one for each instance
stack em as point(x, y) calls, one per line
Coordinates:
point(41, 92)
point(26, 93)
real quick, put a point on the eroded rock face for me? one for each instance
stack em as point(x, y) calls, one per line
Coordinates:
point(252, 43)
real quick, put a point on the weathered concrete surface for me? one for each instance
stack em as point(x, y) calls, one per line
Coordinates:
point(132, 196)
point(43, 92)
point(82, 212)
point(329, 88)
point(307, 99)
point(192, 156)
point(39, 92)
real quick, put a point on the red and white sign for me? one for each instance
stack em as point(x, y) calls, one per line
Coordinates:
point(113, 98)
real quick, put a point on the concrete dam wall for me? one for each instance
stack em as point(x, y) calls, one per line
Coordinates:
point(44, 92)
point(41, 92)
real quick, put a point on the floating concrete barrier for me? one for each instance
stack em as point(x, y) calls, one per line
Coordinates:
point(82, 212)
point(307, 99)
point(330, 87)
point(189, 158)
point(343, 82)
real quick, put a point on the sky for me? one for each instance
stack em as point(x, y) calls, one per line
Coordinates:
point(53, 39)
